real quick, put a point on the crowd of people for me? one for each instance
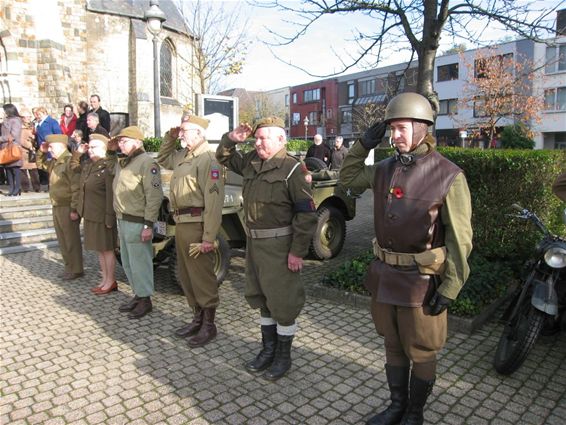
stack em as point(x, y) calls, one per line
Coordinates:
point(28, 128)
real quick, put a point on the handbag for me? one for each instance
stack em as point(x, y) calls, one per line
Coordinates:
point(10, 153)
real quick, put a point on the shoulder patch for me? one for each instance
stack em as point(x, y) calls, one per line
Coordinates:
point(214, 173)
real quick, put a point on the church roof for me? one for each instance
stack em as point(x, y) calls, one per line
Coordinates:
point(136, 8)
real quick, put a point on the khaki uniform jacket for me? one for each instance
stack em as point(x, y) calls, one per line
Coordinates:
point(455, 216)
point(137, 187)
point(63, 180)
point(559, 186)
point(197, 181)
point(95, 197)
point(276, 193)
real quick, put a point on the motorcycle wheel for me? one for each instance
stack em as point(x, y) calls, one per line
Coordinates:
point(518, 338)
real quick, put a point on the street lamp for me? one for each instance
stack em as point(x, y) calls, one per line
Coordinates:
point(306, 123)
point(154, 18)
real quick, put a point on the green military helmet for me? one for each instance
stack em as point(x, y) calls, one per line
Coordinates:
point(409, 105)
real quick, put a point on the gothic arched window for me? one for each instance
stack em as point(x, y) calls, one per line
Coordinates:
point(166, 69)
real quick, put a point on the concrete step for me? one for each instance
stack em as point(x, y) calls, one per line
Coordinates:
point(27, 247)
point(23, 211)
point(24, 200)
point(26, 223)
point(27, 237)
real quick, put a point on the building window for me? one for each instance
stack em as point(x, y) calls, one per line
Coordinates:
point(166, 69)
point(313, 118)
point(479, 108)
point(447, 72)
point(296, 118)
point(481, 66)
point(351, 93)
point(286, 100)
point(367, 87)
point(346, 117)
point(555, 99)
point(555, 59)
point(448, 107)
point(294, 98)
point(311, 95)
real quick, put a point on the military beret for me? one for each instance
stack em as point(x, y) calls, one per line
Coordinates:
point(100, 137)
point(57, 138)
point(201, 122)
point(132, 132)
point(269, 122)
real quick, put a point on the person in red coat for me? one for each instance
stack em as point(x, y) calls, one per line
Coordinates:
point(68, 121)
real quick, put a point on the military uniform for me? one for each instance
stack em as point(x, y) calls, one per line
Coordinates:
point(280, 218)
point(196, 195)
point(559, 186)
point(137, 199)
point(95, 202)
point(63, 193)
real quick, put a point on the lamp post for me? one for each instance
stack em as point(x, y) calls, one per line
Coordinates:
point(306, 123)
point(463, 135)
point(154, 18)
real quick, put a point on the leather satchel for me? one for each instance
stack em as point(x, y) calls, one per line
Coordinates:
point(10, 153)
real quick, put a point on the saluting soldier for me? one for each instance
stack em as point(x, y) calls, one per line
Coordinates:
point(63, 187)
point(280, 217)
point(196, 195)
point(137, 199)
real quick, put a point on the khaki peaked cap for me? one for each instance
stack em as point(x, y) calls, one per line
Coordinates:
point(269, 122)
point(100, 137)
point(132, 132)
point(57, 138)
point(201, 122)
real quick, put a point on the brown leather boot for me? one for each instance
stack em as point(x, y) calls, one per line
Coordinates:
point(141, 309)
point(193, 327)
point(207, 331)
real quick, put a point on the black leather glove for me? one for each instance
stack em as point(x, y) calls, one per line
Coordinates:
point(438, 303)
point(373, 135)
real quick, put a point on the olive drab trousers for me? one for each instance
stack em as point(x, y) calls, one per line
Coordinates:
point(69, 237)
point(270, 285)
point(197, 276)
point(137, 258)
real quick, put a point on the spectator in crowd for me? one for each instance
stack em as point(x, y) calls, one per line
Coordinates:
point(11, 131)
point(338, 153)
point(94, 205)
point(82, 109)
point(94, 126)
point(280, 218)
point(137, 199)
point(103, 115)
point(319, 150)
point(29, 173)
point(45, 126)
point(68, 121)
point(63, 192)
point(196, 195)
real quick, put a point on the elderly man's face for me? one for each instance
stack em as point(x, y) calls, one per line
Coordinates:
point(190, 135)
point(338, 143)
point(91, 122)
point(128, 145)
point(268, 142)
point(56, 149)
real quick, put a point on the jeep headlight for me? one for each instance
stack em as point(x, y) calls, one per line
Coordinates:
point(555, 257)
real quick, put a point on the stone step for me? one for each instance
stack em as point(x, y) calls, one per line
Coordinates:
point(27, 247)
point(24, 200)
point(26, 223)
point(23, 211)
point(25, 237)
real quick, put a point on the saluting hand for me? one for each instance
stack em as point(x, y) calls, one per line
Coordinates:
point(174, 132)
point(240, 133)
point(82, 148)
point(294, 263)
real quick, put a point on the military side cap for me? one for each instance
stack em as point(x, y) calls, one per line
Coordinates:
point(57, 138)
point(132, 132)
point(100, 137)
point(201, 122)
point(269, 122)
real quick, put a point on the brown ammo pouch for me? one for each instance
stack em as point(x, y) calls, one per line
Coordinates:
point(430, 261)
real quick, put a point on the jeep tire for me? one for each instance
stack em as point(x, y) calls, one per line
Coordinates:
point(330, 233)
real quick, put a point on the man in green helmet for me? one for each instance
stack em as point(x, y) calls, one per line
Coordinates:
point(423, 237)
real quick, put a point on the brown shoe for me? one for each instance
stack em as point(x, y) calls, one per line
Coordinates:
point(193, 327)
point(130, 305)
point(72, 276)
point(207, 331)
point(142, 308)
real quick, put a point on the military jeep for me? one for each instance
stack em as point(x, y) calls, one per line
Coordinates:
point(335, 205)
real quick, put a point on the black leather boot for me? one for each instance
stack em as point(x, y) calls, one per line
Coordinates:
point(265, 357)
point(418, 394)
point(282, 360)
point(193, 327)
point(398, 381)
point(142, 308)
point(130, 305)
point(207, 331)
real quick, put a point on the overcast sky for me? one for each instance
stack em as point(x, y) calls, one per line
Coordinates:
point(316, 51)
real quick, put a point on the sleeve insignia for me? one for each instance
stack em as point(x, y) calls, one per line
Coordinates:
point(214, 188)
point(215, 174)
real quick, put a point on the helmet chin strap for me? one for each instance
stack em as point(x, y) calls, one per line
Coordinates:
point(404, 158)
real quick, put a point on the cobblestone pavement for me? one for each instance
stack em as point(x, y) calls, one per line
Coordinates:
point(68, 356)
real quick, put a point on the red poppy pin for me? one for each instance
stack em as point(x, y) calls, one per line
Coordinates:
point(397, 192)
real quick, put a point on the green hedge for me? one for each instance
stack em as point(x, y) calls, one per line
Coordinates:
point(152, 144)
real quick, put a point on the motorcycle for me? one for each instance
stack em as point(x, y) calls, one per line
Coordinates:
point(539, 303)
